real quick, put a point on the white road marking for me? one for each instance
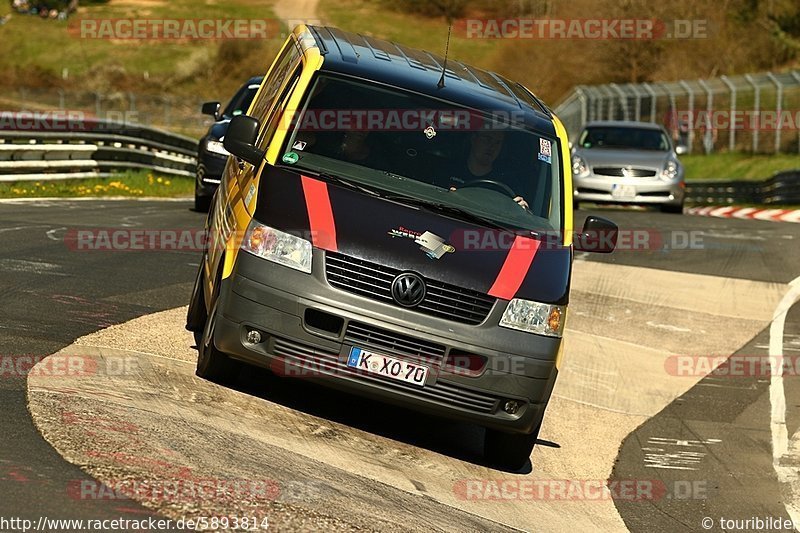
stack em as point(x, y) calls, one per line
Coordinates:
point(667, 327)
point(777, 399)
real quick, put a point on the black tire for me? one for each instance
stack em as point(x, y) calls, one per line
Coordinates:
point(669, 208)
point(196, 315)
point(509, 451)
point(212, 364)
point(202, 203)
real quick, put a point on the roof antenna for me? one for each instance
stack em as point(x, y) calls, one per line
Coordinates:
point(446, 50)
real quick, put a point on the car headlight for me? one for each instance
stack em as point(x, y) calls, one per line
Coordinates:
point(534, 317)
point(278, 247)
point(216, 147)
point(579, 166)
point(671, 170)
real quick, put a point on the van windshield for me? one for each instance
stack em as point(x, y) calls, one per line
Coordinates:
point(409, 146)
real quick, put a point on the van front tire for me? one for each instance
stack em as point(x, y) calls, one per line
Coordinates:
point(212, 364)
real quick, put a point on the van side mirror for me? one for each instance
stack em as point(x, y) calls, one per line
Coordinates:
point(211, 108)
point(240, 139)
point(598, 235)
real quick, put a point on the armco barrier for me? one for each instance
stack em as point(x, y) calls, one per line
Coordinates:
point(92, 148)
point(781, 189)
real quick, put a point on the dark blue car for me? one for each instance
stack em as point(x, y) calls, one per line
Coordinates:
point(211, 155)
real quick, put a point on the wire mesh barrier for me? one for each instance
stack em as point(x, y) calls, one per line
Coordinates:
point(781, 189)
point(69, 146)
point(168, 112)
point(758, 113)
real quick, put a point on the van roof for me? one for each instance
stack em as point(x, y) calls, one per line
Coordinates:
point(410, 68)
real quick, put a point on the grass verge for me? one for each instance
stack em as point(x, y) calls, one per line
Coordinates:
point(736, 166)
point(133, 184)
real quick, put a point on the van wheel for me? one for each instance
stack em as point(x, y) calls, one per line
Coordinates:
point(509, 451)
point(212, 364)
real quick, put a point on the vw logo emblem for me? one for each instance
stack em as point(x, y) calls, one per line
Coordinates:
point(408, 289)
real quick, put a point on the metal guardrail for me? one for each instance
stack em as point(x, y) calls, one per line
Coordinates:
point(93, 148)
point(781, 189)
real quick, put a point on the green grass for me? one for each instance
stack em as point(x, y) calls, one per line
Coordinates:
point(41, 50)
point(737, 166)
point(133, 184)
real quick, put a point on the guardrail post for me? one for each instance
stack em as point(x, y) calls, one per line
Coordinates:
point(708, 138)
point(778, 109)
point(653, 98)
point(623, 100)
point(582, 99)
point(757, 110)
point(731, 126)
point(690, 94)
point(610, 95)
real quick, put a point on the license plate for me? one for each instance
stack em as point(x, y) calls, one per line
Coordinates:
point(383, 365)
point(623, 191)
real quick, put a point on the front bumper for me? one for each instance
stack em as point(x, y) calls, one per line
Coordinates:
point(653, 191)
point(276, 300)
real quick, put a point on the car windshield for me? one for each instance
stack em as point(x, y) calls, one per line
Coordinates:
point(624, 137)
point(428, 153)
point(240, 103)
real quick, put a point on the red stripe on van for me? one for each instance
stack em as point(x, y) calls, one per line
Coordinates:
point(320, 214)
point(515, 268)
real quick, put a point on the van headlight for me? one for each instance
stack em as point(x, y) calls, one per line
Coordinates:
point(534, 317)
point(278, 247)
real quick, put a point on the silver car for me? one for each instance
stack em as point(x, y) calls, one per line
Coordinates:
point(627, 163)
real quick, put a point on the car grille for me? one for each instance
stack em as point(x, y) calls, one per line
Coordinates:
point(627, 172)
point(319, 363)
point(374, 281)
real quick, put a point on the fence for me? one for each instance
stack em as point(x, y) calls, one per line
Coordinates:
point(758, 113)
point(167, 112)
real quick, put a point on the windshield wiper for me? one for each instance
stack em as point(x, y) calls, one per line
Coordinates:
point(343, 182)
point(452, 210)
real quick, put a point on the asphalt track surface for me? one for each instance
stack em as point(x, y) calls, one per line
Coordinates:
point(717, 432)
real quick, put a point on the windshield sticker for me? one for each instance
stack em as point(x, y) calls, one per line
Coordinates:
point(430, 243)
point(299, 145)
point(545, 151)
point(290, 158)
point(429, 132)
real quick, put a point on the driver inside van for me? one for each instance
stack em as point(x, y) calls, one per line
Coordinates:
point(484, 148)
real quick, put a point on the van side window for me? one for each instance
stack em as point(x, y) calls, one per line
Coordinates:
point(273, 83)
point(277, 112)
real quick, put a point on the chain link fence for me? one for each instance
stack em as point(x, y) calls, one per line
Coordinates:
point(171, 113)
point(756, 113)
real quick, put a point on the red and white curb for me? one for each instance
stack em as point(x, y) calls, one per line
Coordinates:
point(755, 213)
